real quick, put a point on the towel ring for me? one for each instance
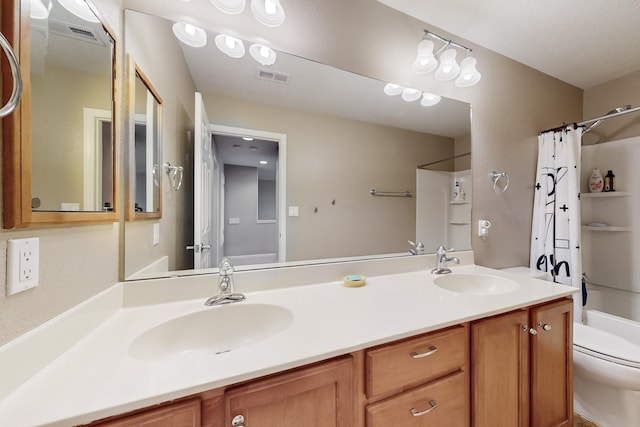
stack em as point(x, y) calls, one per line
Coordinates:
point(495, 177)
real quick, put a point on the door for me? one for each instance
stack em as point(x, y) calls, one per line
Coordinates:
point(204, 227)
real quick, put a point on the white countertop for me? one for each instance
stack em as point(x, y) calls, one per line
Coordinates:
point(97, 377)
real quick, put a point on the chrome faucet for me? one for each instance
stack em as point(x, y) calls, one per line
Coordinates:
point(419, 248)
point(441, 268)
point(226, 292)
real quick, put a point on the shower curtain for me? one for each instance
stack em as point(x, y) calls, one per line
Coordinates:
point(555, 230)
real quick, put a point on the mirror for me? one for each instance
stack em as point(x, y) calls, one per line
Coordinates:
point(339, 136)
point(145, 115)
point(59, 146)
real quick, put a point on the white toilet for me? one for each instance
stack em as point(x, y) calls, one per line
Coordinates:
point(606, 366)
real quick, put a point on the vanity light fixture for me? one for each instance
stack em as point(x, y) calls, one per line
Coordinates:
point(263, 54)
point(231, 7)
point(39, 9)
point(230, 46)
point(410, 94)
point(190, 34)
point(79, 8)
point(268, 12)
point(443, 61)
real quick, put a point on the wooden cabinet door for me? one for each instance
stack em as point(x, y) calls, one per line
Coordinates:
point(500, 371)
point(552, 365)
point(317, 396)
point(183, 414)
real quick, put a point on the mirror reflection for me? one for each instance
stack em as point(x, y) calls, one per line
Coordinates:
point(338, 135)
point(72, 148)
point(145, 148)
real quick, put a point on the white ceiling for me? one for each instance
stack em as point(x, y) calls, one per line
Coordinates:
point(581, 42)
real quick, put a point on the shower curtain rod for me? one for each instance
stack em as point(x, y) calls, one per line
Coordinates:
point(605, 117)
point(444, 160)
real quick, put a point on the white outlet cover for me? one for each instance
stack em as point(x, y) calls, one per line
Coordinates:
point(23, 259)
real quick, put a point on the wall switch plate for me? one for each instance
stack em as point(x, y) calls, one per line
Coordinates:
point(23, 259)
point(234, 221)
point(293, 211)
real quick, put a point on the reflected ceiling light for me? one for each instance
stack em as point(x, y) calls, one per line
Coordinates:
point(264, 162)
point(39, 9)
point(230, 46)
point(469, 75)
point(425, 61)
point(268, 12)
point(247, 138)
point(190, 34)
point(429, 99)
point(449, 68)
point(410, 95)
point(232, 7)
point(263, 54)
point(393, 89)
point(79, 8)
point(443, 61)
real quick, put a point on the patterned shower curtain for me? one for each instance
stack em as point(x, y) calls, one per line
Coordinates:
point(555, 230)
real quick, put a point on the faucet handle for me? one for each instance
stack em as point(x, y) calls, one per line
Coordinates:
point(442, 250)
point(225, 268)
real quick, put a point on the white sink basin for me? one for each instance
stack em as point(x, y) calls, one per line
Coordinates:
point(476, 284)
point(211, 331)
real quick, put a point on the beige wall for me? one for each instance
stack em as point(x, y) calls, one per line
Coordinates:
point(511, 105)
point(75, 262)
point(331, 158)
point(176, 89)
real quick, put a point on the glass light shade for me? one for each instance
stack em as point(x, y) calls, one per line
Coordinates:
point(230, 46)
point(263, 54)
point(79, 8)
point(410, 95)
point(429, 99)
point(39, 9)
point(425, 61)
point(232, 7)
point(268, 12)
point(448, 68)
point(190, 34)
point(469, 75)
point(393, 89)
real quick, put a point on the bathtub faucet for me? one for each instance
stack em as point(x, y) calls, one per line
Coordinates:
point(226, 292)
point(441, 255)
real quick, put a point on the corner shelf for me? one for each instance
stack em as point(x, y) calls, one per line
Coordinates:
point(459, 222)
point(605, 194)
point(459, 202)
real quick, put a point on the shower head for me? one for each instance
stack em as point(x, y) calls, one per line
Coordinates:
point(597, 122)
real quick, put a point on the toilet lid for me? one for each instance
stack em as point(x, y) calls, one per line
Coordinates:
point(605, 345)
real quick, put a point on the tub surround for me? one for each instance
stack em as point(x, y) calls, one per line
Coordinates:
point(97, 377)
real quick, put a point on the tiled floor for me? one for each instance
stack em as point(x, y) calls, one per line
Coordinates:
point(578, 421)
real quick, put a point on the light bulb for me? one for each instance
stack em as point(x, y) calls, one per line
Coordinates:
point(190, 34)
point(425, 61)
point(270, 7)
point(262, 54)
point(410, 94)
point(449, 68)
point(429, 99)
point(230, 46)
point(469, 75)
point(268, 12)
point(393, 89)
point(232, 7)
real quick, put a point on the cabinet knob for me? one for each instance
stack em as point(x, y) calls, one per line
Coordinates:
point(532, 331)
point(237, 421)
point(416, 413)
point(544, 326)
point(432, 350)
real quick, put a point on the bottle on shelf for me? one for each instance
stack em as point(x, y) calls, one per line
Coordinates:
point(609, 182)
point(596, 181)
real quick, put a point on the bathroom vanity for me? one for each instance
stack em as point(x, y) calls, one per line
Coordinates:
point(481, 348)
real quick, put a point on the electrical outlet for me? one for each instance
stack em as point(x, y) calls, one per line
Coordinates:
point(23, 258)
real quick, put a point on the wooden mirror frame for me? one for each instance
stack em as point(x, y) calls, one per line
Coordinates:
point(132, 71)
point(16, 134)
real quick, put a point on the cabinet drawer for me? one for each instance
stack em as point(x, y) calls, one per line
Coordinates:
point(409, 363)
point(442, 403)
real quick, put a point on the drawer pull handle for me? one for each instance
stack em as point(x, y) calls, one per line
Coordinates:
point(417, 413)
point(432, 350)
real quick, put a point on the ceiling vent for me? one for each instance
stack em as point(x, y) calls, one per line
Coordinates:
point(273, 76)
point(76, 32)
